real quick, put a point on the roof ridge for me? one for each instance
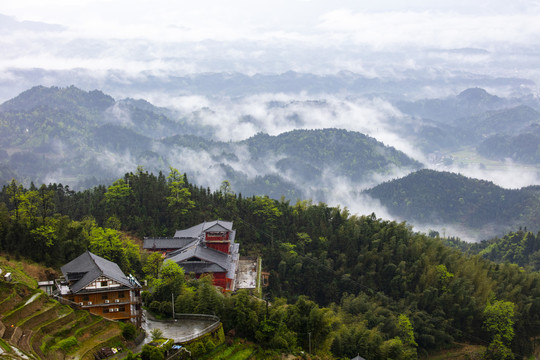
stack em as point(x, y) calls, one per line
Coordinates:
point(94, 260)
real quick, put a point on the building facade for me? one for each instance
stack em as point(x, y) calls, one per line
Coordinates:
point(99, 286)
point(206, 248)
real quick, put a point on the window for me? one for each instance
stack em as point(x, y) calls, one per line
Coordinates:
point(121, 294)
point(105, 310)
point(85, 298)
point(104, 296)
point(122, 309)
point(104, 283)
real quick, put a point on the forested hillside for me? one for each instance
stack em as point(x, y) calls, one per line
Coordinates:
point(443, 198)
point(359, 284)
point(520, 247)
point(87, 138)
point(498, 128)
point(521, 148)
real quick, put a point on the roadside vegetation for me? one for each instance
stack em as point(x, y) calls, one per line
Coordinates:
point(340, 284)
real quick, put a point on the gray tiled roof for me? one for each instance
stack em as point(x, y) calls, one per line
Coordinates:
point(88, 267)
point(211, 260)
point(166, 243)
point(195, 231)
point(200, 267)
point(203, 253)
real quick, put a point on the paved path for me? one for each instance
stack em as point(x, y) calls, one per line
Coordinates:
point(176, 330)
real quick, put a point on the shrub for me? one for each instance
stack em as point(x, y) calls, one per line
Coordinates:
point(156, 334)
point(197, 349)
point(129, 331)
point(146, 297)
point(155, 306)
point(166, 308)
point(151, 353)
point(210, 345)
point(67, 344)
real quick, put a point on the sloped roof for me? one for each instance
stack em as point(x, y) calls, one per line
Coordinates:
point(166, 243)
point(87, 267)
point(209, 260)
point(206, 255)
point(196, 231)
point(200, 267)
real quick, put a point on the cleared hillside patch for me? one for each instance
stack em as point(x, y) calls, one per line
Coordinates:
point(25, 271)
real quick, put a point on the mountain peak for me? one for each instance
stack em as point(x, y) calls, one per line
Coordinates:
point(476, 95)
point(58, 98)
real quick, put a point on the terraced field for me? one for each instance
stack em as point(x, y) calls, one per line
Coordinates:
point(236, 351)
point(34, 326)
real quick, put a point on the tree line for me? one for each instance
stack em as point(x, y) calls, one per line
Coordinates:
point(378, 287)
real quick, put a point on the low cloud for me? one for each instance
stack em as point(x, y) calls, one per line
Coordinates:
point(508, 175)
point(118, 115)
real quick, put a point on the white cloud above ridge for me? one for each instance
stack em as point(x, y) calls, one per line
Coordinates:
point(313, 36)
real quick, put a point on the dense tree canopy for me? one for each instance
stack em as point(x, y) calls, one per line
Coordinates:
point(351, 284)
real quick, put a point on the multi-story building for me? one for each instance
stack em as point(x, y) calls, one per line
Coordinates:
point(99, 286)
point(207, 248)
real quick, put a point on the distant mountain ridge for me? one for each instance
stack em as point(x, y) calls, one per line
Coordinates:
point(443, 198)
point(77, 136)
point(474, 119)
point(406, 85)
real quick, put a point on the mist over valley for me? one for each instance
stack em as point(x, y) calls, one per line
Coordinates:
point(333, 149)
point(297, 100)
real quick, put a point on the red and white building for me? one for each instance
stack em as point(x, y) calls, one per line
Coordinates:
point(206, 248)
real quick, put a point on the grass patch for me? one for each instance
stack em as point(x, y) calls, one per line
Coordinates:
point(7, 298)
point(21, 305)
point(26, 271)
point(95, 323)
point(67, 344)
point(221, 352)
point(242, 354)
point(4, 345)
point(236, 351)
point(456, 352)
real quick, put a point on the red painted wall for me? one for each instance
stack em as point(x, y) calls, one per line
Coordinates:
point(223, 247)
point(220, 279)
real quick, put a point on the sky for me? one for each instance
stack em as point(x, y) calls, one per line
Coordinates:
point(259, 36)
point(384, 39)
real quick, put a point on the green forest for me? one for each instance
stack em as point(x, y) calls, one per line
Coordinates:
point(442, 198)
point(88, 137)
point(340, 284)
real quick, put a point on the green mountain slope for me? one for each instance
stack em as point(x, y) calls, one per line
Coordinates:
point(469, 102)
point(509, 121)
point(522, 148)
point(308, 152)
point(369, 272)
point(431, 197)
point(72, 136)
point(498, 127)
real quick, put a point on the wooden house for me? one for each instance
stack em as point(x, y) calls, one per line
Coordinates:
point(99, 286)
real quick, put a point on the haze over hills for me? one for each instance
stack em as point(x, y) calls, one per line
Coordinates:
point(71, 136)
point(278, 146)
point(452, 201)
point(420, 111)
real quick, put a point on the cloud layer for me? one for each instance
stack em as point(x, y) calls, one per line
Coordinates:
point(311, 36)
